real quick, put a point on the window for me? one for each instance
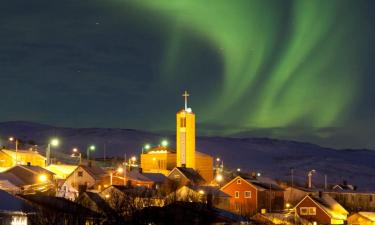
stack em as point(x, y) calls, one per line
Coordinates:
point(239, 181)
point(312, 211)
point(370, 198)
point(308, 211)
point(80, 173)
point(247, 194)
point(177, 176)
point(304, 211)
point(183, 122)
point(236, 194)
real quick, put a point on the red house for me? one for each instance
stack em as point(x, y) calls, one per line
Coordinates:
point(321, 209)
point(250, 195)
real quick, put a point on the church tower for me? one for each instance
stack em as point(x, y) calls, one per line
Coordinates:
point(185, 136)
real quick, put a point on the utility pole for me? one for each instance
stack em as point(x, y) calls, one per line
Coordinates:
point(125, 170)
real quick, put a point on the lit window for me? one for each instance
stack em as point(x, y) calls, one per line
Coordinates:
point(304, 211)
point(239, 181)
point(312, 211)
point(236, 194)
point(183, 122)
point(247, 194)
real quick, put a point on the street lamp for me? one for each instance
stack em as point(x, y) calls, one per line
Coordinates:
point(90, 148)
point(54, 143)
point(219, 178)
point(74, 154)
point(11, 139)
point(42, 178)
point(164, 143)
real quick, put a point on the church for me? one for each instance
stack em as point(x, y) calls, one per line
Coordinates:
point(163, 159)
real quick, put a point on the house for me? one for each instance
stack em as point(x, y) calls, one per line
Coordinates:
point(355, 200)
point(61, 171)
point(95, 202)
point(84, 177)
point(186, 176)
point(9, 158)
point(149, 180)
point(344, 187)
point(293, 195)
point(10, 183)
point(211, 195)
point(250, 195)
point(31, 179)
point(13, 210)
point(119, 196)
point(321, 209)
point(362, 218)
point(60, 211)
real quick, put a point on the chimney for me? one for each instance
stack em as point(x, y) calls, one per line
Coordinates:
point(320, 194)
point(183, 165)
point(28, 163)
point(140, 170)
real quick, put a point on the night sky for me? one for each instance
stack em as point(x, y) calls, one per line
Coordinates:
point(300, 70)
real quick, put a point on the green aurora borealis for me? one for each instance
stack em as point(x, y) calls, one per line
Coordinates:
point(290, 69)
point(284, 61)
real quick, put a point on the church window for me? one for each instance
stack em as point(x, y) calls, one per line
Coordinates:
point(183, 122)
point(236, 194)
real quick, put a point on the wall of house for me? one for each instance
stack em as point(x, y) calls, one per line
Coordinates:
point(80, 177)
point(321, 217)
point(6, 160)
point(355, 201)
point(241, 205)
point(276, 203)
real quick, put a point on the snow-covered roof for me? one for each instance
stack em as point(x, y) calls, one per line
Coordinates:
point(368, 215)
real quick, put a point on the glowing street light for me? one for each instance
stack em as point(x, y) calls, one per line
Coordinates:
point(219, 178)
point(42, 178)
point(287, 205)
point(54, 143)
point(147, 146)
point(75, 152)
point(238, 169)
point(134, 159)
point(120, 170)
point(90, 148)
point(164, 143)
point(11, 139)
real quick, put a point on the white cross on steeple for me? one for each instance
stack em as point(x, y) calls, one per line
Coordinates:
point(186, 95)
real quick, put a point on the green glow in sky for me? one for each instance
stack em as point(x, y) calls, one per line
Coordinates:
point(283, 62)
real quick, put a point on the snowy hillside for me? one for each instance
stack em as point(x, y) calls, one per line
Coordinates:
point(270, 157)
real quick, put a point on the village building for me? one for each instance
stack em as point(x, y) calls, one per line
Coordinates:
point(210, 195)
point(321, 209)
point(293, 195)
point(96, 203)
point(61, 171)
point(186, 176)
point(362, 218)
point(344, 187)
point(251, 195)
point(140, 197)
point(9, 158)
point(13, 210)
point(355, 200)
point(84, 177)
point(163, 160)
point(28, 179)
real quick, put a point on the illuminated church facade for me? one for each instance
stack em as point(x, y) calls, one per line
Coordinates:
point(163, 159)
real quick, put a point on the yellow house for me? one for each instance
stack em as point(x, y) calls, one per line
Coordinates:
point(362, 218)
point(9, 158)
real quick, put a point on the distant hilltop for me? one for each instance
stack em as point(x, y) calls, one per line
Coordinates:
point(271, 157)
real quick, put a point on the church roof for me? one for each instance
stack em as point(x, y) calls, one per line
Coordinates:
point(148, 177)
point(191, 174)
point(161, 149)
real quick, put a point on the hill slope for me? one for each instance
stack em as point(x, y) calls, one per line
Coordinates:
point(270, 157)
